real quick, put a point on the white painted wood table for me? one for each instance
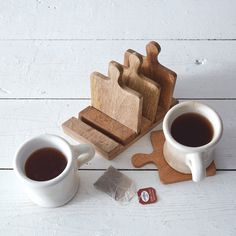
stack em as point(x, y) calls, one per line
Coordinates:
point(48, 50)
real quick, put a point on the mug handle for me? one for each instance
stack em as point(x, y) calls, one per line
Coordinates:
point(83, 153)
point(195, 163)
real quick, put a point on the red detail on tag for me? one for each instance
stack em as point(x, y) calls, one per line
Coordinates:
point(147, 195)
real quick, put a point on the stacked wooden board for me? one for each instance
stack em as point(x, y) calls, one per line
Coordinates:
point(126, 104)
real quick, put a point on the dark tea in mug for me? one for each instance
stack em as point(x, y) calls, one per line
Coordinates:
point(192, 129)
point(45, 164)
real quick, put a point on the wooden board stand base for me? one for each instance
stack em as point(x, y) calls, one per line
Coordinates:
point(126, 104)
point(166, 173)
point(108, 136)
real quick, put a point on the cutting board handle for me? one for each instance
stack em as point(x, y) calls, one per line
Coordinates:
point(152, 49)
point(140, 159)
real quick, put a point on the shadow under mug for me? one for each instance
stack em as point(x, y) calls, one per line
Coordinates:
point(185, 159)
point(61, 189)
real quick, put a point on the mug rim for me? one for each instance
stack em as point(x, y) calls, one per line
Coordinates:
point(169, 137)
point(49, 182)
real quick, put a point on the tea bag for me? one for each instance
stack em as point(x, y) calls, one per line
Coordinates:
point(117, 185)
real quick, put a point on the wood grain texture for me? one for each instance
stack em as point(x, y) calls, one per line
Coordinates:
point(79, 130)
point(105, 145)
point(56, 69)
point(110, 96)
point(107, 125)
point(103, 142)
point(53, 47)
point(151, 68)
point(135, 80)
point(180, 209)
point(167, 174)
point(24, 119)
point(71, 19)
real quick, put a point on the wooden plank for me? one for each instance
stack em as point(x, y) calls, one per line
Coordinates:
point(23, 119)
point(110, 96)
point(107, 125)
point(71, 19)
point(134, 79)
point(79, 130)
point(56, 69)
point(199, 204)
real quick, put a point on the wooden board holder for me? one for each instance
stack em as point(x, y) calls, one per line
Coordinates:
point(126, 104)
point(166, 173)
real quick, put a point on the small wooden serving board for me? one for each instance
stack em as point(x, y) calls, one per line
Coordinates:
point(151, 68)
point(149, 89)
point(110, 96)
point(167, 174)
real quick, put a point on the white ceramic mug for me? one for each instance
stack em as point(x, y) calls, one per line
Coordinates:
point(59, 190)
point(186, 159)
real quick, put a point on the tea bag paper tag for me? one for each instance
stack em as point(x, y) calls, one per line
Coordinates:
point(147, 195)
point(117, 185)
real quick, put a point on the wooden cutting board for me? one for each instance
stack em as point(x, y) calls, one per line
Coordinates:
point(152, 69)
point(110, 96)
point(123, 108)
point(167, 174)
point(149, 89)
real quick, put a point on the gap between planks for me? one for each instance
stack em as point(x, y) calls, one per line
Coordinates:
point(121, 39)
point(120, 169)
point(88, 99)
